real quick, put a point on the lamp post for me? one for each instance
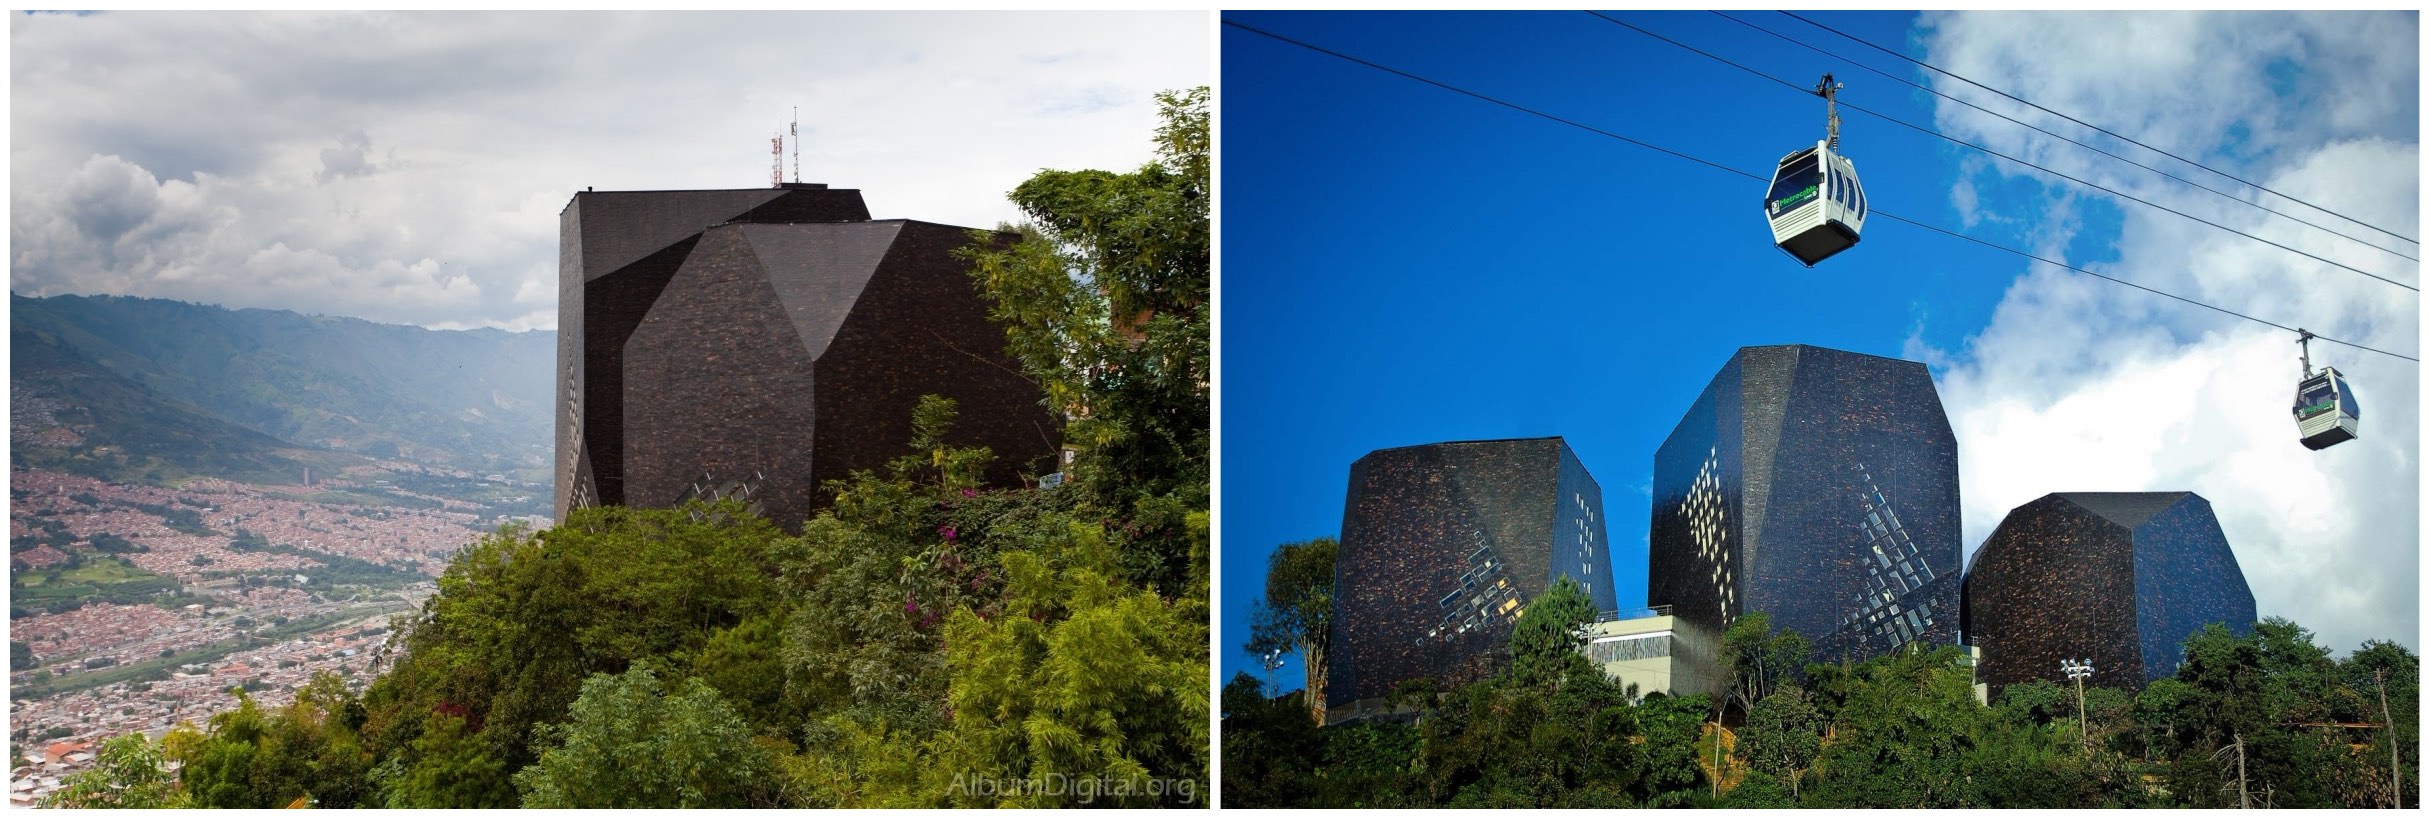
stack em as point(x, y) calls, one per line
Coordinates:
point(2077, 670)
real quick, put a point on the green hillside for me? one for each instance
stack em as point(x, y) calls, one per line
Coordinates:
point(72, 415)
point(477, 400)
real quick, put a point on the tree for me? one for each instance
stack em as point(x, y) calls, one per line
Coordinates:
point(1270, 747)
point(1296, 614)
point(2390, 674)
point(445, 766)
point(1104, 303)
point(1905, 737)
point(1544, 643)
point(1758, 659)
point(1783, 733)
point(128, 772)
point(1080, 675)
point(631, 744)
point(218, 765)
point(522, 620)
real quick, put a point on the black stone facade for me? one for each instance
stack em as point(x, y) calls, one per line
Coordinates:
point(1819, 486)
point(760, 342)
point(1442, 547)
point(2119, 578)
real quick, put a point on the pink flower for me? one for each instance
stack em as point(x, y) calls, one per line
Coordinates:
point(947, 530)
point(970, 493)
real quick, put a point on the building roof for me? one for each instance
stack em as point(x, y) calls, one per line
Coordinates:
point(2128, 509)
point(1470, 442)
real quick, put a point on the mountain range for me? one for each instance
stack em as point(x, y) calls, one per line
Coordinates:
point(150, 390)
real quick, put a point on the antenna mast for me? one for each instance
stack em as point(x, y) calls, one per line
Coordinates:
point(776, 165)
point(797, 143)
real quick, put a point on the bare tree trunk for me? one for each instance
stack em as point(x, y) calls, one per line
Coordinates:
point(1716, 755)
point(1312, 661)
point(2396, 781)
point(2244, 798)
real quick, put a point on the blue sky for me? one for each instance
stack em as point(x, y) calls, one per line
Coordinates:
point(1404, 265)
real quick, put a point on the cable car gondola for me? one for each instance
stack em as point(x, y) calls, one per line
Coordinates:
point(1816, 205)
point(2325, 413)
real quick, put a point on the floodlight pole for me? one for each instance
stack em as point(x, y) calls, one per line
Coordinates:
point(2078, 670)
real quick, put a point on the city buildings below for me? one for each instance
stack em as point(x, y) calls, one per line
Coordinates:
point(1819, 486)
point(753, 344)
point(1442, 548)
point(2116, 578)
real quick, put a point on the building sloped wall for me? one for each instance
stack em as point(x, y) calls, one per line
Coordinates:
point(1442, 547)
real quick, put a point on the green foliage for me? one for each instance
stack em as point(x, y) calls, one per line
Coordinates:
point(1080, 675)
point(128, 772)
point(446, 766)
point(20, 656)
point(1265, 741)
point(1902, 730)
point(88, 577)
point(1782, 734)
point(1904, 737)
point(1296, 614)
point(1544, 643)
point(1104, 302)
point(522, 619)
point(1758, 659)
point(630, 744)
point(218, 767)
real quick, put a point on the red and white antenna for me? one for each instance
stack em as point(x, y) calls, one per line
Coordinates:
point(797, 143)
point(776, 163)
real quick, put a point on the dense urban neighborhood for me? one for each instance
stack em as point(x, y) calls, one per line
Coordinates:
point(137, 608)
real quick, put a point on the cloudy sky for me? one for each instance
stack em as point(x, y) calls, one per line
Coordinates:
point(410, 168)
point(2078, 384)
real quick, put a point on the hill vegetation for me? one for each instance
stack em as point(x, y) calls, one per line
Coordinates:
point(154, 390)
point(2266, 720)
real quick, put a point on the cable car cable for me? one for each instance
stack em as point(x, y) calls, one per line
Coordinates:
point(2070, 140)
point(2129, 140)
point(1989, 244)
point(1718, 166)
point(2094, 186)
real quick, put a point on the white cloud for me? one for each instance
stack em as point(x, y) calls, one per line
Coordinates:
point(2082, 385)
point(411, 167)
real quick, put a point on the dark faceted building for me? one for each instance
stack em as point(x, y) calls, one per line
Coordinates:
point(756, 343)
point(1819, 486)
point(2120, 578)
point(1442, 547)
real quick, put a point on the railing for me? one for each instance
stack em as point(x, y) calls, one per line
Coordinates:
point(1609, 615)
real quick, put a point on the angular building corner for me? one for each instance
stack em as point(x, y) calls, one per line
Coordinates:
point(1442, 547)
point(1819, 486)
point(756, 343)
point(2117, 578)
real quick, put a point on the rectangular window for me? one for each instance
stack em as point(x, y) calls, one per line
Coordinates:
point(1794, 185)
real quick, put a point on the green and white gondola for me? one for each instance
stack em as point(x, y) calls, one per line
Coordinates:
point(1816, 205)
point(2325, 413)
